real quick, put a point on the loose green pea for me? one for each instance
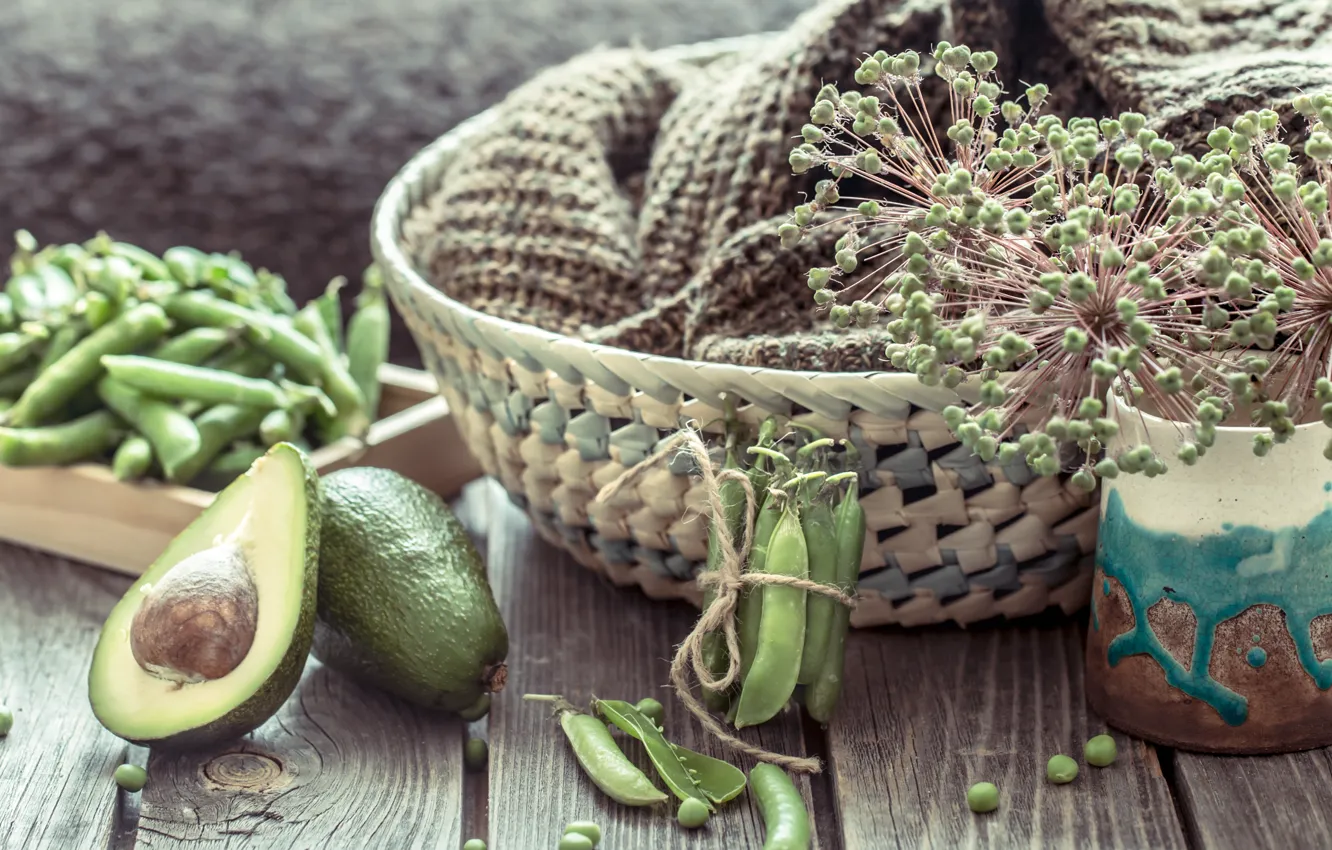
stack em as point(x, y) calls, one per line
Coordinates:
point(576, 841)
point(1101, 751)
point(651, 708)
point(474, 844)
point(6, 721)
point(693, 813)
point(476, 753)
point(983, 797)
point(131, 777)
point(1061, 769)
point(587, 828)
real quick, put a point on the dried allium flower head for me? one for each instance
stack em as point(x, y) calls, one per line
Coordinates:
point(1049, 264)
point(1105, 298)
point(1271, 248)
point(941, 204)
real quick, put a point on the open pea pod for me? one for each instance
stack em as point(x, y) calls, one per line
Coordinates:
point(717, 781)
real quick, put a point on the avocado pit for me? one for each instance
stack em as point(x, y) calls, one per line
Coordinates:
point(199, 621)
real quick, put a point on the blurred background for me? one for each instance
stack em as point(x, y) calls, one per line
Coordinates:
point(271, 126)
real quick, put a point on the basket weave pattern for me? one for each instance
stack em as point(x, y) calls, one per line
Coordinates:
point(555, 419)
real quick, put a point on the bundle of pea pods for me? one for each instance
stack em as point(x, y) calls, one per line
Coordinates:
point(183, 367)
point(809, 525)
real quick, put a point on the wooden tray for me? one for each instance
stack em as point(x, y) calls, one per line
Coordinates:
point(83, 512)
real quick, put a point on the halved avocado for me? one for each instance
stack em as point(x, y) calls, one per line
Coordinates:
point(213, 638)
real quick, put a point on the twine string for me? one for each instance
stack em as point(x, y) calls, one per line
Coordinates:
point(727, 582)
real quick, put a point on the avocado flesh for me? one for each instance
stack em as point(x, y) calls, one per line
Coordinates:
point(404, 601)
point(272, 515)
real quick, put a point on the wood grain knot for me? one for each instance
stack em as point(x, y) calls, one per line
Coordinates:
point(246, 772)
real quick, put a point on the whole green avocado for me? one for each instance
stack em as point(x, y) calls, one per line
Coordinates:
point(404, 602)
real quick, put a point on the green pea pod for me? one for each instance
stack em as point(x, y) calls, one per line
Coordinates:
point(781, 634)
point(242, 361)
point(823, 694)
point(218, 428)
point(18, 347)
point(62, 342)
point(273, 291)
point(132, 460)
point(148, 263)
point(329, 306)
point(58, 445)
point(719, 781)
point(276, 336)
point(114, 277)
point(351, 418)
point(195, 346)
point(133, 330)
point(820, 531)
point(69, 257)
point(368, 335)
point(281, 426)
point(8, 318)
point(98, 309)
point(785, 818)
point(61, 291)
point(672, 772)
point(185, 265)
point(234, 463)
point(180, 382)
point(173, 435)
point(27, 296)
point(12, 384)
point(750, 609)
point(715, 656)
point(605, 764)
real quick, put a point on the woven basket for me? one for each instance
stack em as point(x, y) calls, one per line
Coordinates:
point(555, 419)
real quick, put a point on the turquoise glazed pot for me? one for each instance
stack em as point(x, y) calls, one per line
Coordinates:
point(1211, 624)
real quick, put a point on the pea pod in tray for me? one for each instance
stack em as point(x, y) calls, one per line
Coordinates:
point(195, 346)
point(601, 759)
point(182, 382)
point(8, 319)
point(368, 333)
point(18, 347)
point(218, 427)
point(337, 381)
point(135, 329)
point(668, 765)
point(132, 459)
point(57, 445)
point(719, 781)
point(173, 435)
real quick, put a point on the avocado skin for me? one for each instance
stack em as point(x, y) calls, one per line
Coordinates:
point(255, 711)
point(404, 602)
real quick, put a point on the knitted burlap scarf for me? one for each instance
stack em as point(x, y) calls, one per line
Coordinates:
point(633, 199)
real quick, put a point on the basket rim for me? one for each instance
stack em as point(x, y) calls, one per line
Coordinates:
point(419, 178)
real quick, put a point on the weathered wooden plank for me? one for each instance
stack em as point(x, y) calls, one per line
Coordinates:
point(573, 633)
point(1257, 801)
point(340, 766)
point(925, 714)
point(56, 789)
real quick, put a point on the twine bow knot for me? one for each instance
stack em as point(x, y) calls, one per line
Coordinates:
point(726, 582)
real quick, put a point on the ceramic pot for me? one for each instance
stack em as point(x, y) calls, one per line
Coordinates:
point(1211, 624)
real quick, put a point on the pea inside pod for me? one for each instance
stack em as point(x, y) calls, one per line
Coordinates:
point(719, 781)
point(660, 751)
